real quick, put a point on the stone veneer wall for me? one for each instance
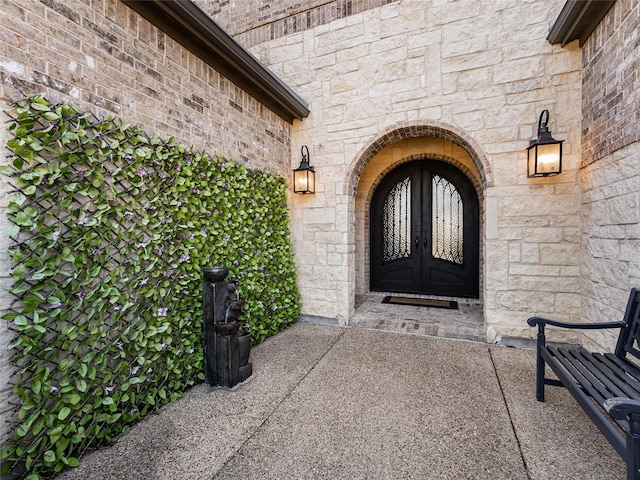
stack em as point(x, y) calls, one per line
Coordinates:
point(610, 180)
point(105, 58)
point(256, 21)
point(483, 71)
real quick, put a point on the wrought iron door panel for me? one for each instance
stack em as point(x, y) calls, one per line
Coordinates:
point(447, 221)
point(396, 222)
point(424, 231)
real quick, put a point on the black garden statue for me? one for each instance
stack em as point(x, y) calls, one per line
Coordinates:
point(226, 346)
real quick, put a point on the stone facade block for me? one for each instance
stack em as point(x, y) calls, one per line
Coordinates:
point(444, 14)
point(533, 269)
point(560, 254)
point(470, 61)
point(568, 303)
point(607, 271)
point(622, 210)
point(562, 61)
point(602, 248)
point(629, 251)
point(530, 252)
point(497, 268)
point(519, 70)
point(325, 216)
point(527, 301)
point(549, 284)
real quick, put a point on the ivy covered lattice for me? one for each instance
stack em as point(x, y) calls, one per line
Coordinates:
point(111, 231)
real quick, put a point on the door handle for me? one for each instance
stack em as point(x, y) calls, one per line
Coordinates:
point(425, 244)
point(417, 243)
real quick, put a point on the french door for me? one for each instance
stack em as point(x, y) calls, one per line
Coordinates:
point(424, 231)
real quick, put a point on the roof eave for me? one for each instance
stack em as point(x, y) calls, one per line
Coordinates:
point(186, 23)
point(577, 20)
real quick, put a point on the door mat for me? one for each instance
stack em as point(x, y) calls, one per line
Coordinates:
point(421, 302)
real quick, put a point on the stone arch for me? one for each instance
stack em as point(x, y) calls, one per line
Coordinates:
point(459, 165)
point(400, 131)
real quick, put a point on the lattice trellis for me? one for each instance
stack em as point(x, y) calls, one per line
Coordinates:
point(112, 228)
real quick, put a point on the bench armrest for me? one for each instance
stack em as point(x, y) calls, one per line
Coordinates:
point(541, 322)
point(620, 408)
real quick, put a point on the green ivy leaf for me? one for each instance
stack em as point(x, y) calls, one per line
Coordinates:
point(64, 413)
point(49, 457)
point(40, 105)
point(22, 430)
point(72, 462)
point(51, 116)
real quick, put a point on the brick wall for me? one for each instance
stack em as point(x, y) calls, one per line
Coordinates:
point(610, 177)
point(111, 61)
point(611, 80)
point(255, 21)
point(103, 57)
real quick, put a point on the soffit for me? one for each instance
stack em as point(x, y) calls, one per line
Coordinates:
point(196, 31)
point(577, 20)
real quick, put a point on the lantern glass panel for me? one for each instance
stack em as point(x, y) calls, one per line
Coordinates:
point(544, 159)
point(304, 181)
point(548, 158)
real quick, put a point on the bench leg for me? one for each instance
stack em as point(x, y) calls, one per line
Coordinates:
point(633, 448)
point(540, 364)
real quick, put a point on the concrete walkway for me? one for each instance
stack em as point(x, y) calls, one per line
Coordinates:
point(348, 403)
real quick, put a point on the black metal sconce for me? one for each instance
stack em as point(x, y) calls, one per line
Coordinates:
point(545, 152)
point(304, 177)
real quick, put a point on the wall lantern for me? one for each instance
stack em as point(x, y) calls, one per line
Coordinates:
point(545, 152)
point(304, 177)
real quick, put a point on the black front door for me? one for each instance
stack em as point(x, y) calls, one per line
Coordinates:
point(424, 231)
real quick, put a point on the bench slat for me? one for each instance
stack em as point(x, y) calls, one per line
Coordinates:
point(575, 363)
point(628, 375)
point(611, 376)
point(595, 381)
point(571, 378)
point(602, 376)
point(615, 379)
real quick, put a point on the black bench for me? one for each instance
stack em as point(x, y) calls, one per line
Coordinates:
point(606, 385)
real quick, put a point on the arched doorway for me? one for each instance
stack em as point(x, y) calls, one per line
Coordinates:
point(390, 148)
point(424, 231)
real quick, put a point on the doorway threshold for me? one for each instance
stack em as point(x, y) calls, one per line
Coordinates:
point(465, 323)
